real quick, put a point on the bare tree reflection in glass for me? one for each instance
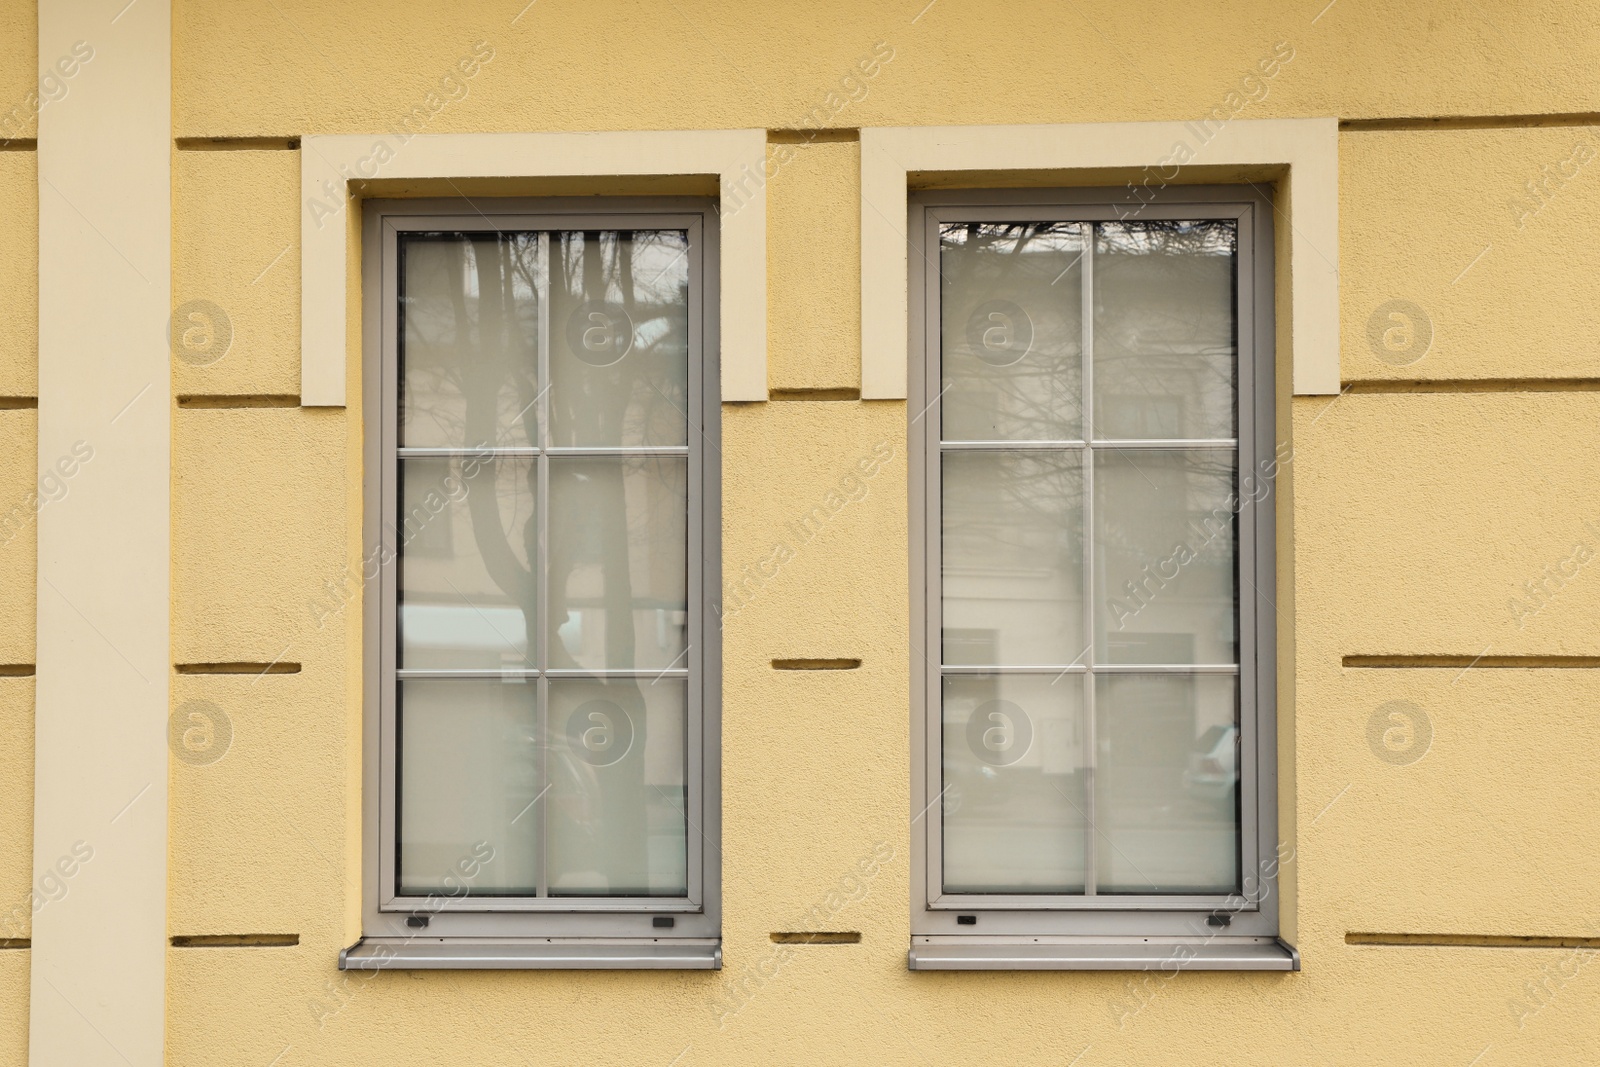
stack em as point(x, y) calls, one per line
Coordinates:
point(1142, 809)
point(609, 553)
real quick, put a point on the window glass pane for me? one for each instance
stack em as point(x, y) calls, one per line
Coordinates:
point(619, 338)
point(468, 780)
point(1164, 556)
point(543, 340)
point(618, 582)
point(1014, 798)
point(1011, 331)
point(1167, 783)
point(1164, 332)
point(466, 532)
point(617, 799)
point(1013, 558)
point(469, 329)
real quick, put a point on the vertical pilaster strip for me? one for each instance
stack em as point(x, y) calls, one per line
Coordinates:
point(884, 245)
point(100, 772)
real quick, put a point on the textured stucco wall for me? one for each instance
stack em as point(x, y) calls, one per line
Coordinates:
point(304, 67)
point(1417, 211)
point(19, 436)
point(814, 261)
point(1416, 519)
point(238, 236)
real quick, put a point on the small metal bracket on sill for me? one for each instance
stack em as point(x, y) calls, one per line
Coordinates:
point(476, 954)
point(969, 953)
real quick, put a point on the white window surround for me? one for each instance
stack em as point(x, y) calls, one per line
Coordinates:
point(1306, 149)
point(331, 165)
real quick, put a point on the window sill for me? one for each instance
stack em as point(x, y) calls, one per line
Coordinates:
point(1076, 954)
point(583, 954)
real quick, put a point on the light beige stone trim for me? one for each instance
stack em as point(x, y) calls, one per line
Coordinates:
point(1307, 149)
point(98, 960)
point(329, 166)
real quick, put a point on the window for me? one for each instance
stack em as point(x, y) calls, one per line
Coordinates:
point(1095, 766)
point(542, 527)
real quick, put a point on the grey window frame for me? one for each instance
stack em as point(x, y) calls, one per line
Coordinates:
point(528, 932)
point(1121, 932)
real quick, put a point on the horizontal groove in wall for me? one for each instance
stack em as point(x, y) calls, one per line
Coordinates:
point(252, 400)
point(20, 144)
point(832, 135)
point(1463, 662)
point(15, 942)
point(815, 664)
point(238, 144)
point(1474, 385)
point(280, 667)
point(817, 937)
point(16, 670)
point(19, 403)
point(235, 940)
point(1470, 122)
point(814, 394)
point(1470, 941)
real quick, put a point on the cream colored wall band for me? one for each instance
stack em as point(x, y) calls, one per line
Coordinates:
point(329, 166)
point(1158, 152)
point(98, 960)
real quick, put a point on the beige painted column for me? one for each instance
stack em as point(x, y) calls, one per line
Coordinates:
point(100, 771)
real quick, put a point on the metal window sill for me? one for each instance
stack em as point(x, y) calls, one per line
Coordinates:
point(584, 954)
point(966, 953)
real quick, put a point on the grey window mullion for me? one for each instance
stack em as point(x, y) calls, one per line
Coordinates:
point(531, 673)
point(533, 450)
point(1041, 669)
point(600, 673)
point(451, 452)
point(1246, 620)
point(387, 803)
point(1156, 443)
point(1167, 668)
point(1086, 280)
point(1011, 446)
point(541, 721)
point(622, 450)
point(1045, 669)
point(694, 652)
point(931, 405)
point(541, 576)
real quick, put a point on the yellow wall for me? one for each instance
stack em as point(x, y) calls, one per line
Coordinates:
point(1417, 515)
point(19, 363)
point(814, 267)
point(298, 66)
